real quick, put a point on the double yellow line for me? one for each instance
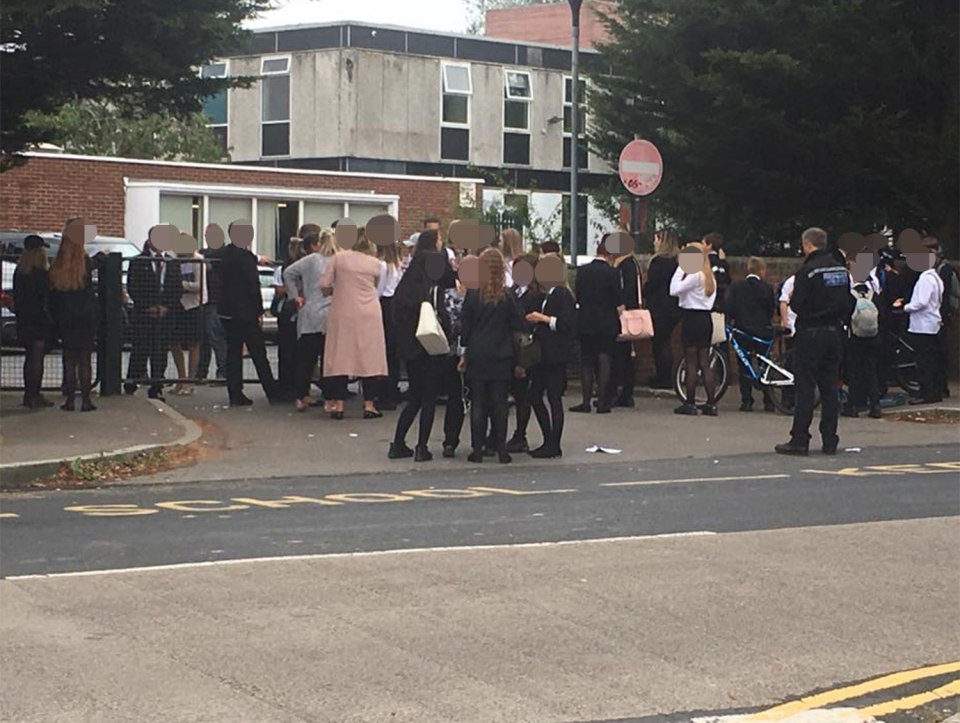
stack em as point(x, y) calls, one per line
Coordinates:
point(885, 682)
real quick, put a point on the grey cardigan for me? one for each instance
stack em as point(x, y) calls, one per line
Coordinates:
point(302, 278)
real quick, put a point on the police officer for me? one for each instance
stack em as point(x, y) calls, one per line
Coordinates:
point(823, 304)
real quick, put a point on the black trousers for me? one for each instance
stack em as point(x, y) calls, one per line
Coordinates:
point(663, 327)
point(151, 342)
point(336, 388)
point(862, 367)
point(816, 365)
point(425, 374)
point(925, 346)
point(520, 389)
point(454, 412)
point(747, 382)
point(623, 370)
point(941, 370)
point(488, 401)
point(309, 352)
point(239, 333)
point(286, 355)
point(391, 389)
point(549, 378)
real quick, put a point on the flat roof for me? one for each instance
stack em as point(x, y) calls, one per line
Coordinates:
point(410, 41)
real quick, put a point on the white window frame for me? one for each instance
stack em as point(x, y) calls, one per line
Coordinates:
point(226, 74)
point(266, 58)
point(289, 120)
point(450, 124)
point(580, 101)
point(507, 72)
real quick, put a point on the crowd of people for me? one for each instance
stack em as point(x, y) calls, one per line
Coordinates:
point(479, 323)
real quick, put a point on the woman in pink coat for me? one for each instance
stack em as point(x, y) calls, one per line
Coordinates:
point(355, 341)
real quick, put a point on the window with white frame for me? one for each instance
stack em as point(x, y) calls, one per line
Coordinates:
point(275, 106)
point(517, 95)
point(568, 121)
point(456, 89)
point(216, 107)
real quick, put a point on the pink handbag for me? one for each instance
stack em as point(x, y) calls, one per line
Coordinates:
point(636, 324)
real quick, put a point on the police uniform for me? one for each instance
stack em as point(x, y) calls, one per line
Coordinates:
point(823, 303)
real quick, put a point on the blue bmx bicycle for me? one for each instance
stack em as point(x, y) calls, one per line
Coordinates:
point(770, 372)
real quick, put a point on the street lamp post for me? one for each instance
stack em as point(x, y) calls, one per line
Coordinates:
point(574, 128)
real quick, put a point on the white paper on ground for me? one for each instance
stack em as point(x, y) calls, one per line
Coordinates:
point(596, 448)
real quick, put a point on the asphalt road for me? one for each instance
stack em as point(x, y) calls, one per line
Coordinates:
point(131, 527)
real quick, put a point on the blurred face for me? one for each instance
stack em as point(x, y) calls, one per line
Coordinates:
point(691, 261)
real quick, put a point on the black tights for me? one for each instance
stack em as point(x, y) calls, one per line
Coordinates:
point(33, 369)
point(548, 378)
point(699, 357)
point(77, 365)
point(604, 365)
point(488, 403)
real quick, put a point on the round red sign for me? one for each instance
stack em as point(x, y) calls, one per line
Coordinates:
point(641, 167)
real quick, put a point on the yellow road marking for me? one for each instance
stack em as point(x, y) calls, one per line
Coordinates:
point(205, 506)
point(890, 469)
point(852, 691)
point(369, 497)
point(283, 503)
point(501, 491)
point(913, 701)
point(111, 510)
point(695, 479)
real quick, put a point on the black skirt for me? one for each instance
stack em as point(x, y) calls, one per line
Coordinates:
point(187, 325)
point(697, 328)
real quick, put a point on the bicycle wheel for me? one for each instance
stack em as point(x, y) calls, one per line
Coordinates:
point(905, 367)
point(721, 379)
point(782, 396)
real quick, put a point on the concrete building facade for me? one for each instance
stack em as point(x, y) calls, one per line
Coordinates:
point(362, 98)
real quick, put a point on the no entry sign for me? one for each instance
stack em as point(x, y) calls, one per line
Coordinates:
point(641, 167)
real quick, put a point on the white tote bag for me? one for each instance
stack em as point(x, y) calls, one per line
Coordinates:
point(429, 332)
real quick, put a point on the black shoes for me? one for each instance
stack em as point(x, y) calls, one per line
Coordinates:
point(603, 409)
point(87, 406)
point(518, 445)
point(746, 406)
point(504, 458)
point(37, 402)
point(829, 449)
point(476, 456)
point(241, 401)
point(400, 451)
point(581, 409)
point(875, 413)
point(449, 451)
point(69, 405)
point(367, 414)
point(624, 402)
point(157, 393)
point(686, 409)
point(792, 448)
point(129, 388)
point(336, 415)
point(921, 400)
point(709, 410)
point(546, 452)
point(422, 454)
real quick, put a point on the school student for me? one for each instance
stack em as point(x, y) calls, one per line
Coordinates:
point(925, 323)
point(695, 287)
point(750, 305)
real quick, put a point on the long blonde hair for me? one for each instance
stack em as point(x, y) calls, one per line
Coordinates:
point(666, 243)
point(512, 243)
point(31, 260)
point(493, 268)
point(68, 272)
point(328, 244)
point(709, 280)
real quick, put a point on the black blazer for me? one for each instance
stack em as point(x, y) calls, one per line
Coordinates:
point(629, 270)
point(598, 296)
point(656, 292)
point(751, 305)
point(144, 283)
point(556, 346)
point(487, 331)
point(530, 301)
point(239, 285)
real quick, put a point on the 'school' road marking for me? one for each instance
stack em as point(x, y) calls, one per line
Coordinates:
point(890, 469)
point(694, 479)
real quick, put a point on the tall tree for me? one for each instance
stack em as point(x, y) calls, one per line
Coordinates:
point(96, 128)
point(140, 56)
point(776, 114)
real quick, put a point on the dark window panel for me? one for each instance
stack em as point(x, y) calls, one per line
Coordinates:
point(523, 53)
point(568, 120)
point(275, 139)
point(437, 45)
point(455, 144)
point(488, 52)
point(220, 133)
point(362, 36)
point(308, 39)
point(215, 107)
point(557, 59)
point(516, 148)
point(455, 108)
point(581, 154)
point(255, 44)
point(516, 114)
point(372, 165)
point(275, 104)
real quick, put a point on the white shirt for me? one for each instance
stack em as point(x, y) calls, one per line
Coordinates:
point(689, 290)
point(924, 306)
point(786, 293)
point(508, 274)
point(390, 276)
point(195, 292)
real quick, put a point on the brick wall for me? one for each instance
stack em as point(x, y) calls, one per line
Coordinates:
point(50, 188)
point(549, 23)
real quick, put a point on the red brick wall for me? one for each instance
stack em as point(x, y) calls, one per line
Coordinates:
point(548, 23)
point(48, 189)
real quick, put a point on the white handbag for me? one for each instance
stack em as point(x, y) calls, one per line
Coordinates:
point(719, 328)
point(430, 333)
